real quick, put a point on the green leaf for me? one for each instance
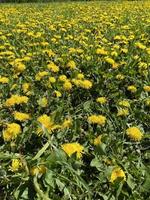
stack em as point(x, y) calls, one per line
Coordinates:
point(60, 184)
point(130, 182)
point(95, 163)
point(56, 156)
point(101, 149)
point(41, 151)
point(67, 193)
point(22, 192)
point(49, 179)
point(119, 190)
point(87, 105)
point(146, 185)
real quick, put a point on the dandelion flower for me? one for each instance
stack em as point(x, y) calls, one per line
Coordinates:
point(86, 84)
point(146, 88)
point(134, 133)
point(21, 116)
point(71, 64)
point(123, 112)
point(101, 100)
point(16, 99)
point(15, 165)
point(97, 119)
point(12, 131)
point(4, 80)
point(97, 141)
point(67, 123)
point(67, 85)
point(124, 103)
point(57, 93)
point(132, 88)
point(117, 173)
point(71, 148)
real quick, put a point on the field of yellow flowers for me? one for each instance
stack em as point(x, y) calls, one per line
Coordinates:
point(74, 101)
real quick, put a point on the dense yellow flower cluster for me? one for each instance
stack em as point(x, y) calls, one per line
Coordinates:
point(74, 79)
point(16, 99)
point(86, 84)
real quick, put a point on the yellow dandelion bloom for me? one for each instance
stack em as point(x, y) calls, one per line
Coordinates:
point(16, 99)
point(40, 75)
point(97, 119)
point(21, 116)
point(80, 76)
point(19, 67)
point(147, 102)
point(140, 45)
point(132, 88)
point(101, 51)
point(25, 87)
point(110, 61)
point(134, 133)
point(12, 131)
point(67, 123)
point(76, 82)
point(124, 103)
point(67, 85)
point(4, 80)
point(62, 78)
point(123, 112)
point(86, 84)
point(71, 148)
point(101, 100)
point(57, 93)
point(97, 141)
point(71, 64)
point(52, 79)
point(15, 165)
point(117, 173)
point(46, 121)
point(146, 88)
point(54, 68)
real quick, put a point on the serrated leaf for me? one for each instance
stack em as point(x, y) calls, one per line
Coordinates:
point(95, 163)
point(130, 182)
point(87, 105)
point(60, 184)
point(146, 185)
point(41, 151)
point(49, 178)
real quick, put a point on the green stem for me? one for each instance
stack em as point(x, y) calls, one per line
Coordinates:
point(38, 190)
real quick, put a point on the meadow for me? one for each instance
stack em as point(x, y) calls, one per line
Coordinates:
point(74, 101)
